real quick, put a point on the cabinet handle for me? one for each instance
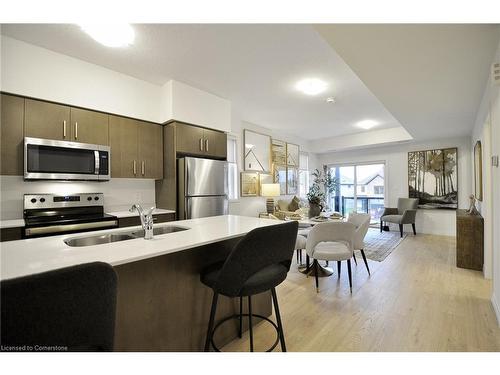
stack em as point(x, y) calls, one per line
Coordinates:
point(201, 144)
point(76, 129)
point(143, 168)
point(135, 167)
point(206, 145)
point(64, 129)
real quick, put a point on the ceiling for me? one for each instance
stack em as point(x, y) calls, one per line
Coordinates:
point(254, 66)
point(430, 77)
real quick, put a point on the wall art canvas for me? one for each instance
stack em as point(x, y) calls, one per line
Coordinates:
point(292, 177)
point(257, 154)
point(279, 176)
point(292, 154)
point(278, 150)
point(433, 178)
point(249, 184)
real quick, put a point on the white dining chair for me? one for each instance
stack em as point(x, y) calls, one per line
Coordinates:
point(362, 223)
point(331, 241)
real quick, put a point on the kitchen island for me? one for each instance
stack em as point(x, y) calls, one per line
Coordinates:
point(162, 305)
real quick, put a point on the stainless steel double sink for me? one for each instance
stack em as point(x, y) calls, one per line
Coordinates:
point(121, 236)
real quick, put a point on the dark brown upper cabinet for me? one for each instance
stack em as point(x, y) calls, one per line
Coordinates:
point(89, 127)
point(197, 141)
point(136, 148)
point(47, 120)
point(11, 135)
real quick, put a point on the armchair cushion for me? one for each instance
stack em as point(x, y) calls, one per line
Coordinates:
point(392, 219)
point(333, 251)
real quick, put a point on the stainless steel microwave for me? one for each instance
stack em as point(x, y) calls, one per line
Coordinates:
point(46, 159)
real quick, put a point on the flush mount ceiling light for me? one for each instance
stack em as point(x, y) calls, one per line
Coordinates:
point(311, 86)
point(367, 124)
point(110, 35)
point(330, 100)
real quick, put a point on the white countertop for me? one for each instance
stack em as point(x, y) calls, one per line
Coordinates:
point(157, 211)
point(16, 223)
point(35, 255)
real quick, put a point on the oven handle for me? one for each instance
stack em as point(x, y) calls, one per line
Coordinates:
point(69, 227)
point(97, 161)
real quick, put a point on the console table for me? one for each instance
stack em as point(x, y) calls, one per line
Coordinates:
point(470, 241)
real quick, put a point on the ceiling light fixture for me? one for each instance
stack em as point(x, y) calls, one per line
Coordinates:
point(367, 124)
point(330, 100)
point(311, 86)
point(110, 35)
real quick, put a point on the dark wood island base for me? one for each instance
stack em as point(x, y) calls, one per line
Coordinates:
point(163, 306)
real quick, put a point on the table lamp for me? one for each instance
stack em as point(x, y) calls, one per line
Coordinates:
point(270, 191)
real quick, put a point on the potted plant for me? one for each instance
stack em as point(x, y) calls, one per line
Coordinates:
point(323, 183)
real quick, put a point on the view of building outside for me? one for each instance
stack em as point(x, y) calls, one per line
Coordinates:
point(361, 189)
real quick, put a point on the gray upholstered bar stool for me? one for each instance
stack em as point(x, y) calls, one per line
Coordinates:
point(69, 309)
point(258, 263)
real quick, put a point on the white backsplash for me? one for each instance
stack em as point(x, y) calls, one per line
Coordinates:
point(119, 193)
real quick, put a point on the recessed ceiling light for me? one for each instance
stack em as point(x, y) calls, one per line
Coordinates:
point(311, 86)
point(367, 124)
point(111, 35)
point(330, 100)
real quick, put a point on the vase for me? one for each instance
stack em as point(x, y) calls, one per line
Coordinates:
point(314, 209)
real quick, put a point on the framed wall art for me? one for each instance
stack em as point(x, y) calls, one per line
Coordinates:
point(279, 177)
point(292, 179)
point(433, 178)
point(257, 151)
point(249, 184)
point(292, 154)
point(278, 152)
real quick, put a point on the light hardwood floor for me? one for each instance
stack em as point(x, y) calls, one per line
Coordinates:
point(415, 300)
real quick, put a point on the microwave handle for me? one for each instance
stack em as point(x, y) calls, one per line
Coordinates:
point(97, 161)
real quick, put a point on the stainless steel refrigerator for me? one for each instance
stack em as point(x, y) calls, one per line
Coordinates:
point(201, 188)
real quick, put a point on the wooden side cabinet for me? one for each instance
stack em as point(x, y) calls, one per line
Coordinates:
point(197, 141)
point(89, 127)
point(47, 120)
point(11, 135)
point(470, 241)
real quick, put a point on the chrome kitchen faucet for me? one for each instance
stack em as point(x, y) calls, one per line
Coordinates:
point(146, 220)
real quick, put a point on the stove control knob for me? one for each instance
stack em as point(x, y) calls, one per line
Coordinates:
point(96, 198)
point(42, 200)
point(89, 198)
point(33, 200)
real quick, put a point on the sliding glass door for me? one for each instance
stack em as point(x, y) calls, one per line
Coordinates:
point(361, 189)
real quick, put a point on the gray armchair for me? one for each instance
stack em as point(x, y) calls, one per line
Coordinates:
point(404, 214)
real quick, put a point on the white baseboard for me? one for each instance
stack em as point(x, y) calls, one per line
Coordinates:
point(496, 307)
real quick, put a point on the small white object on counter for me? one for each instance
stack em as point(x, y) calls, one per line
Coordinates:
point(35, 255)
point(16, 223)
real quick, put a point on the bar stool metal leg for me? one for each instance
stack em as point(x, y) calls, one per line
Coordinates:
point(250, 322)
point(241, 318)
point(278, 319)
point(211, 322)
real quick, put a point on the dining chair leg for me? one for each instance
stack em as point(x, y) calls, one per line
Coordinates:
point(211, 322)
point(349, 273)
point(316, 271)
point(366, 262)
point(250, 328)
point(414, 230)
point(381, 226)
point(278, 320)
point(339, 266)
point(300, 256)
point(240, 331)
point(354, 257)
point(307, 265)
point(401, 230)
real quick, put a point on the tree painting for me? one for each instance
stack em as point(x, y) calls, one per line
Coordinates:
point(432, 178)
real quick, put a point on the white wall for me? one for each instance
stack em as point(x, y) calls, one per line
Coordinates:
point(37, 72)
point(40, 73)
point(441, 222)
point(119, 193)
point(487, 129)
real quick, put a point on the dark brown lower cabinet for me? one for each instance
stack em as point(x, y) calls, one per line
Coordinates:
point(470, 241)
point(11, 234)
point(135, 220)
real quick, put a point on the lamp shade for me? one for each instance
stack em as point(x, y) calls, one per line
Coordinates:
point(270, 190)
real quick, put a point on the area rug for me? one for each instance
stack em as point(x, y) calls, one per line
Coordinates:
point(379, 245)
